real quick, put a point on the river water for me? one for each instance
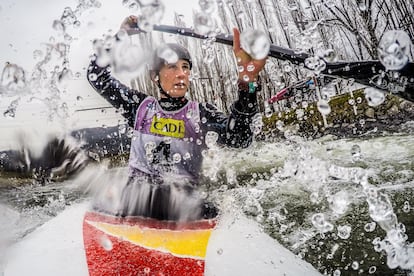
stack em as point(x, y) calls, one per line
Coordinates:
point(344, 205)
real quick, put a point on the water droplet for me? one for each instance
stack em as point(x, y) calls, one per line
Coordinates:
point(362, 5)
point(255, 43)
point(372, 269)
point(355, 265)
point(105, 242)
point(374, 96)
point(219, 251)
point(204, 24)
point(166, 53)
point(324, 107)
point(370, 226)
point(186, 156)
point(211, 138)
point(208, 6)
point(394, 49)
point(122, 129)
point(406, 207)
point(315, 63)
point(287, 66)
point(93, 77)
point(250, 68)
point(11, 109)
point(150, 15)
point(268, 111)
point(176, 157)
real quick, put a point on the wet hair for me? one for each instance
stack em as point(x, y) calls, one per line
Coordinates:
point(168, 53)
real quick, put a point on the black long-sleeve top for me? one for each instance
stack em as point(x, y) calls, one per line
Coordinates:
point(233, 130)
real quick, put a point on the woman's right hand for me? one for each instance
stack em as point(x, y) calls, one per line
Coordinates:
point(130, 25)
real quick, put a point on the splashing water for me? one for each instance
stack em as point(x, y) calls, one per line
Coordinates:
point(13, 79)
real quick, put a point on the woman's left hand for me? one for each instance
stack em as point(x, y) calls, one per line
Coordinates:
point(251, 67)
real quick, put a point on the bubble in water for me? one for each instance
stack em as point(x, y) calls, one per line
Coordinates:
point(220, 251)
point(255, 43)
point(344, 232)
point(355, 265)
point(204, 24)
point(406, 207)
point(319, 222)
point(337, 272)
point(324, 107)
point(374, 96)
point(105, 242)
point(394, 49)
point(372, 269)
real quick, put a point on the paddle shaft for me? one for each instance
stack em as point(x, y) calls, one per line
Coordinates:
point(371, 73)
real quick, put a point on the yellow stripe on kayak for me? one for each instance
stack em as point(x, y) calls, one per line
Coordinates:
point(184, 243)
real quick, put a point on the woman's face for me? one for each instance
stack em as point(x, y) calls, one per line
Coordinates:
point(174, 78)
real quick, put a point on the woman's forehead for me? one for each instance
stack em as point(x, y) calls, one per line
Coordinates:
point(180, 61)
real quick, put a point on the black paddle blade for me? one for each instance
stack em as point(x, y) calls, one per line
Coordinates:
point(373, 73)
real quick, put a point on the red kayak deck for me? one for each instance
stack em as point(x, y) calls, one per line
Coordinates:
point(144, 246)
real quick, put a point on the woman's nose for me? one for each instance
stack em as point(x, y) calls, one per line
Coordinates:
point(181, 72)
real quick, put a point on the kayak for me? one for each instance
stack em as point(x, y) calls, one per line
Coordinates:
point(83, 242)
point(144, 246)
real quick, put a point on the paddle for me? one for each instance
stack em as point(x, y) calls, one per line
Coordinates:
point(371, 73)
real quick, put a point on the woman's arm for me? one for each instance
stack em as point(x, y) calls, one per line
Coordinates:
point(117, 94)
point(235, 129)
